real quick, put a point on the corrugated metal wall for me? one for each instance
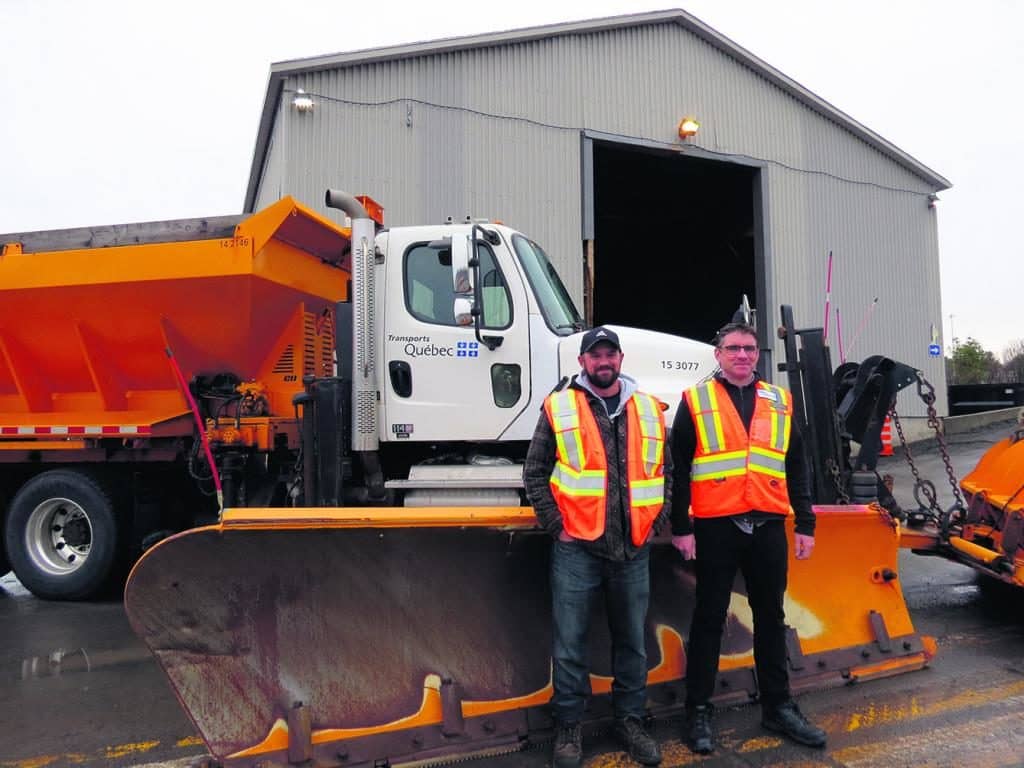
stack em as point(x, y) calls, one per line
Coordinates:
point(496, 132)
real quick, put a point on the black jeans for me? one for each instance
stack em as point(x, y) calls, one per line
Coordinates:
point(763, 558)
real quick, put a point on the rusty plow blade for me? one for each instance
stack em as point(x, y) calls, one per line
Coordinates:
point(363, 637)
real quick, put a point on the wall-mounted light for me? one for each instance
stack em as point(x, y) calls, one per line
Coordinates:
point(932, 200)
point(688, 127)
point(302, 101)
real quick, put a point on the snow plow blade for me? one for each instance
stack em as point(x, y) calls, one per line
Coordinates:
point(367, 637)
point(991, 537)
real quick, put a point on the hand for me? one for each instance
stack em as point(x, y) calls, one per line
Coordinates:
point(565, 537)
point(687, 546)
point(804, 545)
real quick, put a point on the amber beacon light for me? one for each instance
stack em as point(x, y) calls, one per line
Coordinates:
point(688, 127)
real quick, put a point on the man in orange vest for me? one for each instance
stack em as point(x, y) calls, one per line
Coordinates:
point(595, 475)
point(739, 466)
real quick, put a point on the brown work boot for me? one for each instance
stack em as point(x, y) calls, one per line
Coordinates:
point(638, 743)
point(699, 736)
point(568, 750)
point(787, 719)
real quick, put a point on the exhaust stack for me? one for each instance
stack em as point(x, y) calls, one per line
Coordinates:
point(364, 353)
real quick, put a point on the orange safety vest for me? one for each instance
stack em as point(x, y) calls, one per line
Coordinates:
point(579, 480)
point(734, 471)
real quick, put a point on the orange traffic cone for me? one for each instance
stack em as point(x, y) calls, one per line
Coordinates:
point(886, 438)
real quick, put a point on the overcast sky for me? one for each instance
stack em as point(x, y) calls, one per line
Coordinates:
point(115, 112)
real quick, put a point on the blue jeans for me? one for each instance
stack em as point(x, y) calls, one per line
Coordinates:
point(576, 577)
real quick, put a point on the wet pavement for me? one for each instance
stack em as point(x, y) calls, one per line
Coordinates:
point(77, 688)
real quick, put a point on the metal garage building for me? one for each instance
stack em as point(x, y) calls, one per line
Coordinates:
point(570, 133)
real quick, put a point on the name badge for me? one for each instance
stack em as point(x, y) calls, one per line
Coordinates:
point(768, 394)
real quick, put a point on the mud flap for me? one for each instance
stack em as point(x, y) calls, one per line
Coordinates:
point(373, 637)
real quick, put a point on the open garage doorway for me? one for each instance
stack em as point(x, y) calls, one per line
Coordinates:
point(677, 240)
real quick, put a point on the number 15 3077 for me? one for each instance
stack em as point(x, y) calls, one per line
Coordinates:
point(680, 365)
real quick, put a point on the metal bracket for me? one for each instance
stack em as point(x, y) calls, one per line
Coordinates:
point(880, 631)
point(300, 734)
point(452, 723)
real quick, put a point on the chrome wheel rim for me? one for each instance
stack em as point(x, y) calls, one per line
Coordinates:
point(58, 536)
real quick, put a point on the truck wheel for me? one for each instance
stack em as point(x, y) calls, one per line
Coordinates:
point(62, 535)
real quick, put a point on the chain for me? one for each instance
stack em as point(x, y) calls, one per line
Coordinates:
point(927, 393)
point(837, 481)
point(920, 483)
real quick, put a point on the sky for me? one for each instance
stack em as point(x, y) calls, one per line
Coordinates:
point(115, 112)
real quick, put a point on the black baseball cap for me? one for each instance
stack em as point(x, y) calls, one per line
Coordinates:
point(597, 335)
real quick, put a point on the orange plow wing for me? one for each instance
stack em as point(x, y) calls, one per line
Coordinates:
point(356, 636)
point(991, 538)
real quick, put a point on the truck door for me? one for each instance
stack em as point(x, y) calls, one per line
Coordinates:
point(441, 381)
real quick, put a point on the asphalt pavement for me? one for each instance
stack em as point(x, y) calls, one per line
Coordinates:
point(77, 688)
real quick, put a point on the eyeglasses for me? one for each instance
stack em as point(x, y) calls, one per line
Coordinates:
point(735, 349)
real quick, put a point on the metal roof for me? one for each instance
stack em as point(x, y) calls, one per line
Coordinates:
point(279, 71)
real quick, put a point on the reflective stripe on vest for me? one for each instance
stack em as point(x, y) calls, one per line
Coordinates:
point(706, 416)
point(566, 426)
point(652, 432)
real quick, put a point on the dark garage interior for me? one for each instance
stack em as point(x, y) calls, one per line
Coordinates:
point(674, 240)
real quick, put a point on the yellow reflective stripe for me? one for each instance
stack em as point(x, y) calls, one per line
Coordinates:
point(780, 420)
point(643, 493)
point(755, 469)
point(728, 464)
point(709, 420)
point(589, 482)
point(568, 435)
point(652, 432)
point(768, 462)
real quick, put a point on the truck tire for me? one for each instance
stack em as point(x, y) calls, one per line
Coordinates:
point(62, 535)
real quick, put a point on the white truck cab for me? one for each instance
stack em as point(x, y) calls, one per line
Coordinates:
point(478, 328)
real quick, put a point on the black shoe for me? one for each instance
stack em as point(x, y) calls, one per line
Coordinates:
point(568, 751)
point(699, 736)
point(638, 743)
point(787, 719)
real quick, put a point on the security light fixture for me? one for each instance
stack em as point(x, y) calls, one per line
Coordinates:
point(688, 127)
point(302, 101)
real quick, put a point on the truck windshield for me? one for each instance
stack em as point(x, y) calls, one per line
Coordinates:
point(555, 303)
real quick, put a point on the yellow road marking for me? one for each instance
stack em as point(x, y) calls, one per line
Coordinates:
point(974, 744)
point(32, 762)
point(759, 743)
point(934, 703)
point(127, 749)
point(112, 752)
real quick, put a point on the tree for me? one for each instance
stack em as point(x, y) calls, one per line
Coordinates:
point(971, 364)
point(1013, 362)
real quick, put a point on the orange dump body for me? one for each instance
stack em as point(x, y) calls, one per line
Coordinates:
point(85, 329)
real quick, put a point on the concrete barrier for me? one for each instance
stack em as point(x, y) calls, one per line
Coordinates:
point(958, 425)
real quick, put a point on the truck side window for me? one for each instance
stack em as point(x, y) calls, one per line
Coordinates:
point(429, 295)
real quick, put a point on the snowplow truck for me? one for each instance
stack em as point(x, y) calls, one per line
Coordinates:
point(409, 623)
point(280, 358)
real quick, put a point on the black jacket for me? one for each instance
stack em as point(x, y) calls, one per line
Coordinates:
point(615, 543)
point(684, 446)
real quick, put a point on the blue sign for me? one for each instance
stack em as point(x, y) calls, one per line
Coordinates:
point(934, 350)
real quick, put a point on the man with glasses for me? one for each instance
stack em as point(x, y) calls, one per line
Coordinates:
point(738, 462)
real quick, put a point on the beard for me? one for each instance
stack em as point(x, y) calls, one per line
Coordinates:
point(604, 377)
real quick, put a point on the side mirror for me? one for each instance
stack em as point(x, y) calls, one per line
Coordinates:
point(462, 275)
point(463, 311)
